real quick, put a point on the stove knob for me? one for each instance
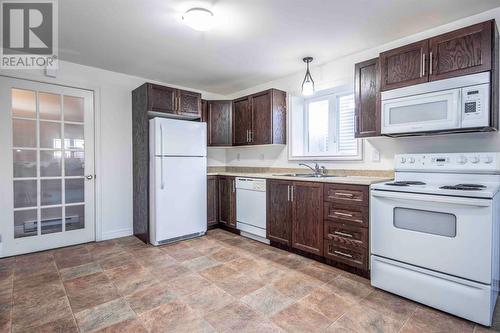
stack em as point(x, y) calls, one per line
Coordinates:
point(411, 160)
point(488, 159)
point(475, 160)
point(462, 160)
point(402, 160)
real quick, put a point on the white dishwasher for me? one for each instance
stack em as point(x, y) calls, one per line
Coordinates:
point(251, 208)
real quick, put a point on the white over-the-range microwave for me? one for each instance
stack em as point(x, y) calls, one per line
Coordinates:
point(456, 104)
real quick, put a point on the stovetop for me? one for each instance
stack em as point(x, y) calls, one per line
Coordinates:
point(483, 190)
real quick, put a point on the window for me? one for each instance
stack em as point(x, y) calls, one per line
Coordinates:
point(324, 128)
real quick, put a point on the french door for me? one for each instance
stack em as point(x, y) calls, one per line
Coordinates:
point(46, 166)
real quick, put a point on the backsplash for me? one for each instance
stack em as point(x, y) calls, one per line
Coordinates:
point(336, 172)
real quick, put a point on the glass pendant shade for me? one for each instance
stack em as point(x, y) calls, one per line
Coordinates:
point(308, 83)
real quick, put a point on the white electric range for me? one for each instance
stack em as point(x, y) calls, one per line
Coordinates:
point(434, 232)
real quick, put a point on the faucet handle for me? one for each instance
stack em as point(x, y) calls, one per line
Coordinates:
point(323, 170)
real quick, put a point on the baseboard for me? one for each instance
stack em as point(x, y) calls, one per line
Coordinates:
point(117, 233)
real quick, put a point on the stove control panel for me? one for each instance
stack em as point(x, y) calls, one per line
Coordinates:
point(453, 162)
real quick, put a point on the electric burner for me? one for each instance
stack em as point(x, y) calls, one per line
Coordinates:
point(471, 185)
point(463, 187)
point(405, 183)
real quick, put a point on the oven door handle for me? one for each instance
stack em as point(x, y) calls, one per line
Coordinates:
point(433, 198)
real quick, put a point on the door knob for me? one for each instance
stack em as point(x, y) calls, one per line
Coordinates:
point(89, 177)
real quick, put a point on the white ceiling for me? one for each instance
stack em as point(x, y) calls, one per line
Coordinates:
point(255, 41)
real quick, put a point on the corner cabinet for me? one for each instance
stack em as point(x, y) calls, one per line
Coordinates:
point(173, 102)
point(260, 118)
point(218, 118)
point(295, 215)
point(367, 98)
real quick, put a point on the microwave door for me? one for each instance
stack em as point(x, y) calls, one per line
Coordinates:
point(422, 113)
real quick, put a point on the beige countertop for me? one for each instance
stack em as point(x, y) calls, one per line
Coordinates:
point(354, 180)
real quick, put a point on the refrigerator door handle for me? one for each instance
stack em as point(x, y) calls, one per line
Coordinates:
point(162, 183)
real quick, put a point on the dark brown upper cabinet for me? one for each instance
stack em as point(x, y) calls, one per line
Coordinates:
point(404, 66)
point(180, 103)
point(161, 98)
point(260, 118)
point(279, 212)
point(227, 201)
point(188, 103)
point(367, 98)
point(242, 121)
point(218, 118)
point(461, 52)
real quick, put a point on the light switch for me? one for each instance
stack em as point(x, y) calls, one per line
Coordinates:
point(376, 155)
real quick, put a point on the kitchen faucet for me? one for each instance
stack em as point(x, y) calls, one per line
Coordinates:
point(318, 171)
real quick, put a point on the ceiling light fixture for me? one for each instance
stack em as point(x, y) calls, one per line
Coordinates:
point(308, 83)
point(199, 19)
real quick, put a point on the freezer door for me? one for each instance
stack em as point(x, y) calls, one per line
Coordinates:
point(173, 137)
point(178, 197)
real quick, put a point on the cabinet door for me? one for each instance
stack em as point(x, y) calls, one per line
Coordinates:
point(227, 201)
point(279, 212)
point(161, 99)
point(461, 52)
point(261, 132)
point(219, 123)
point(307, 226)
point(188, 103)
point(212, 200)
point(242, 122)
point(404, 66)
point(367, 98)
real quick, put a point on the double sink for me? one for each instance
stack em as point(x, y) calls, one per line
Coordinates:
point(305, 175)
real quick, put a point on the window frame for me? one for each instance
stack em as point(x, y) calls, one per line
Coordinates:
point(332, 96)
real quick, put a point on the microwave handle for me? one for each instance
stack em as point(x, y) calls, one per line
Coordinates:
point(432, 199)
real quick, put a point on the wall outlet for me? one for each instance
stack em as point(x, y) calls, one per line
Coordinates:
point(262, 157)
point(238, 156)
point(376, 155)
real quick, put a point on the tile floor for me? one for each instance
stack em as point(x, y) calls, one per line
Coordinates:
point(218, 283)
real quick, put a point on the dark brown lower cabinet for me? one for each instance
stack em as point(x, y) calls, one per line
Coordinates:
point(295, 215)
point(307, 226)
point(279, 212)
point(227, 201)
point(212, 201)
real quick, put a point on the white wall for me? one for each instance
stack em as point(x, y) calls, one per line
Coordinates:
point(114, 132)
point(340, 72)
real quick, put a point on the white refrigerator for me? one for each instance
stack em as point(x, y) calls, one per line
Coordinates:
point(178, 180)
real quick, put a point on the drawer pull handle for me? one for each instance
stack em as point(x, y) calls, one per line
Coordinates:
point(340, 194)
point(342, 214)
point(343, 234)
point(343, 254)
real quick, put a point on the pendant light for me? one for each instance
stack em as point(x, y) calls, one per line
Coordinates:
point(308, 83)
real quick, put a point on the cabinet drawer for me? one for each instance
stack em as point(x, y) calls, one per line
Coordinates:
point(358, 259)
point(346, 235)
point(355, 215)
point(347, 194)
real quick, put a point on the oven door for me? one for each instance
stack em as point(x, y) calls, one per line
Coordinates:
point(451, 235)
point(422, 113)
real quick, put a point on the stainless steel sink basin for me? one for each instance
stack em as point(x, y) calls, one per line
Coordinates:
point(305, 175)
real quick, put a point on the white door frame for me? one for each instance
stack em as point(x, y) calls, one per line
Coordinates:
point(39, 77)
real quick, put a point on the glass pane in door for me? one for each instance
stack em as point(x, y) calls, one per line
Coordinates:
point(50, 163)
point(23, 103)
point(51, 220)
point(74, 163)
point(50, 192)
point(24, 133)
point(24, 163)
point(74, 190)
point(75, 217)
point(50, 106)
point(25, 223)
point(73, 136)
point(25, 193)
point(50, 135)
point(73, 109)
